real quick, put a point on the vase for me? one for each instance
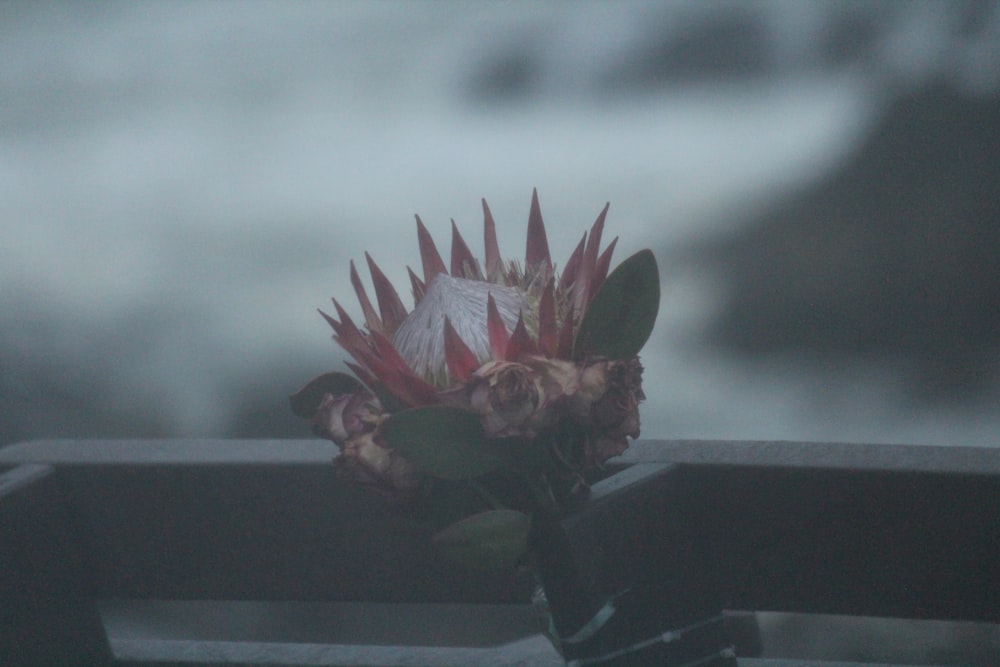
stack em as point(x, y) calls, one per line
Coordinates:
point(622, 580)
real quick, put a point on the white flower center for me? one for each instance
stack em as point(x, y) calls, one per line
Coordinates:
point(420, 337)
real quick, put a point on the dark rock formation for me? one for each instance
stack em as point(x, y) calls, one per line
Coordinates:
point(896, 255)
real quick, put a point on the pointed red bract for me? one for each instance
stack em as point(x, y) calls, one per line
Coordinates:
point(463, 264)
point(497, 329)
point(362, 373)
point(422, 393)
point(584, 285)
point(390, 306)
point(429, 255)
point(388, 354)
point(371, 317)
point(334, 324)
point(594, 240)
point(601, 270)
point(520, 342)
point(417, 286)
point(346, 329)
point(398, 377)
point(377, 363)
point(573, 264)
point(547, 334)
point(458, 357)
point(564, 349)
point(490, 242)
point(537, 251)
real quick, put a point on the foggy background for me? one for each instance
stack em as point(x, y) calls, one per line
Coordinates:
point(182, 184)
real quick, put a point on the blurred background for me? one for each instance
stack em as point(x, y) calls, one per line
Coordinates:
point(182, 184)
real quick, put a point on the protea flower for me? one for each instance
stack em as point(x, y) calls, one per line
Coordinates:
point(494, 358)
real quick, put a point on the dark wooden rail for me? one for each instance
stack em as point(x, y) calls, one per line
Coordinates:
point(110, 550)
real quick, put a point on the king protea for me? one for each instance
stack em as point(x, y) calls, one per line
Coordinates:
point(498, 363)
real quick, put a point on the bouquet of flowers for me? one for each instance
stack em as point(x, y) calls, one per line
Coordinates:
point(502, 391)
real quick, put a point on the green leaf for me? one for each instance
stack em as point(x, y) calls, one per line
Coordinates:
point(493, 540)
point(442, 441)
point(305, 401)
point(621, 316)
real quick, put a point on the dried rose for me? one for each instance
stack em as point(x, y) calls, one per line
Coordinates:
point(560, 378)
point(369, 462)
point(346, 415)
point(506, 395)
point(617, 408)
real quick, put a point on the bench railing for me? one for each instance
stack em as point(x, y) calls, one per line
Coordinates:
point(105, 542)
